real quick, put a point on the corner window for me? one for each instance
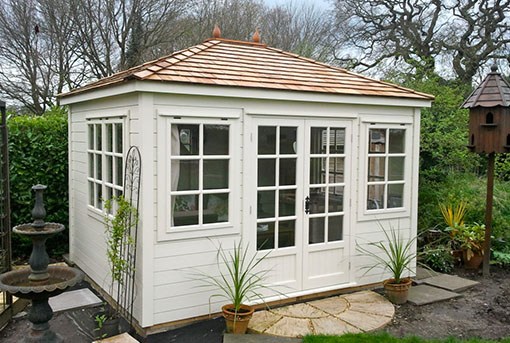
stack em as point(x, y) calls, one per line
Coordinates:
point(200, 163)
point(386, 168)
point(105, 160)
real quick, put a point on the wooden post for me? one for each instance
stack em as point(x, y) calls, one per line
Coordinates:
point(488, 216)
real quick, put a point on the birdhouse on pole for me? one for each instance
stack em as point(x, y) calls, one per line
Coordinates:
point(489, 115)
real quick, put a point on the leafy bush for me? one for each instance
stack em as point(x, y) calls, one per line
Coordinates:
point(438, 258)
point(38, 154)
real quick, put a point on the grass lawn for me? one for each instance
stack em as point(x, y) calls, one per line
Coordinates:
point(386, 338)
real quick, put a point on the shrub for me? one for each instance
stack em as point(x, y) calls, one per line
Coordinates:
point(38, 154)
point(438, 258)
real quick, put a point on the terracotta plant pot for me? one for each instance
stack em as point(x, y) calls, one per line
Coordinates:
point(474, 262)
point(237, 323)
point(397, 293)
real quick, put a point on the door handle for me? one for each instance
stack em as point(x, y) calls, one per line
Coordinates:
point(307, 205)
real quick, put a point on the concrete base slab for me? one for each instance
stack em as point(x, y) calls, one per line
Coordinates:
point(231, 338)
point(451, 283)
point(122, 338)
point(424, 294)
point(74, 299)
point(424, 273)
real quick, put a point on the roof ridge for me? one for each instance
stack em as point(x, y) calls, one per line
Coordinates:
point(351, 73)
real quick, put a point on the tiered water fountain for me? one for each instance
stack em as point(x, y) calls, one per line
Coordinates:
point(39, 282)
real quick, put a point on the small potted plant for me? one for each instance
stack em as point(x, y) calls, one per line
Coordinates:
point(239, 282)
point(394, 254)
point(471, 239)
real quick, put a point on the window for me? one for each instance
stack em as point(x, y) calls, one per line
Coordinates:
point(105, 160)
point(200, 163)
point(386, 168)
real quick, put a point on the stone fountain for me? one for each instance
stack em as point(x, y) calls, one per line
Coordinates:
point(39, 282)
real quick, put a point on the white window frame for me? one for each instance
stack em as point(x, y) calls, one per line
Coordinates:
point(165, 229)
point(105, 185)
point(385, 213)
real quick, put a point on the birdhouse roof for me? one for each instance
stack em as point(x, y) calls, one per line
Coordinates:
point(493, 91)
point(230, 63)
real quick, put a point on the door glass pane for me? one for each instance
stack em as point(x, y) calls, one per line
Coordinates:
point(265, 204)
point(185, 209)
point(109, 137)
point(318, 140)
point(396, 168)
point(188, 175)
point(287, 202)
point(287, 171)
point(189, 139)
point(91, 164)
point(91, 136)
point(99, 167)
point(377, 141)
point(288, 140)
point(118, 138)
point(120, 171)
point(317, 170)
point(376, 168)
point(375, 199)
point(99, 196)
point(99, 137)
point(215, 208)
point(395, 195)
point(286, 233)
point(109, 169)
point(266, 172)
point(336, 199)
point(216, 139)
point(397, 141)
point(335, 228)
point(336, 169)
point(317, 200)
point(336, 140)
point(267, 140)
point(265, 236)
point(316, 230)
point(91, 193)
point(215, 174)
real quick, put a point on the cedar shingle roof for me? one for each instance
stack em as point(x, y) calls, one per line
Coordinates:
point(246, 64)
point(493, 91)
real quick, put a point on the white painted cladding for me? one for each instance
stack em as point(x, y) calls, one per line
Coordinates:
point(167, 262)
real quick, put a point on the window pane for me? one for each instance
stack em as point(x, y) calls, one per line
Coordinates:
point(286, 233)
point(317, 200)
point(215, 208)
point(99, 137)
point(336, 140)
point(317, 170)
point(316, 230)
point(99, 167)
point(265, 236)
point(267, 140)
point(189, 138)
point(109, 193)
point(91, 193)
point(188, 175)
point(335, 228)
point(266, 172)
point(288, 140)
point(265, 204)
point(318, 140)
point(375, 199)
point(376, 168)
point(185, 209)
point(287, 203)
point(336, 199)
point(91, 164)
point(99, 196)
point(91, 136)
point(118, 138)
point(216, 139)
point(336, 169)
point(395, 195)
point(377, 140)
point(396, 168)
point(109, 169)
point(397, 141)
point(109, 137)
point(215, 174)
point(287, 171)
point(119, 171)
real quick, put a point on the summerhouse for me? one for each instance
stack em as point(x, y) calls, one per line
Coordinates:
point(241, 141)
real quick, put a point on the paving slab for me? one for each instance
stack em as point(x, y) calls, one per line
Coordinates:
point(451, 283)
point(425, 294)
point(122, 338)
point(74, 299)
point(231, 338)
point(424, 273)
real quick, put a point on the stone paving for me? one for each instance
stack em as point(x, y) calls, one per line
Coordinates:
point(350, 313)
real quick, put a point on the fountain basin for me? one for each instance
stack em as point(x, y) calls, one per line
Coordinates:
point(30, 230)
point(60, 278)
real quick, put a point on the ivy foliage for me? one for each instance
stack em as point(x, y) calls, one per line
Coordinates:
point(38, 155)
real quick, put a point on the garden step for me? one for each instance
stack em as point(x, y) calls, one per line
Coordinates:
point(450, 282)
point(74, 299)
point(122, 338)
point(424, 294)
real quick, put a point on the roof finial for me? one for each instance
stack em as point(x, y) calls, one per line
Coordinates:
point(494, 68)
point(256, 36)
point(216, 33)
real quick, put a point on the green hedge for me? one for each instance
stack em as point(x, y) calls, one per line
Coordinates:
point(38, 154)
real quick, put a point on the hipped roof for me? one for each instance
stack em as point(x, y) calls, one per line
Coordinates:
point(493, 91)
point(231, 63)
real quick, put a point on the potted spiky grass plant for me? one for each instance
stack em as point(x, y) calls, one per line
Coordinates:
point(394, 254)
